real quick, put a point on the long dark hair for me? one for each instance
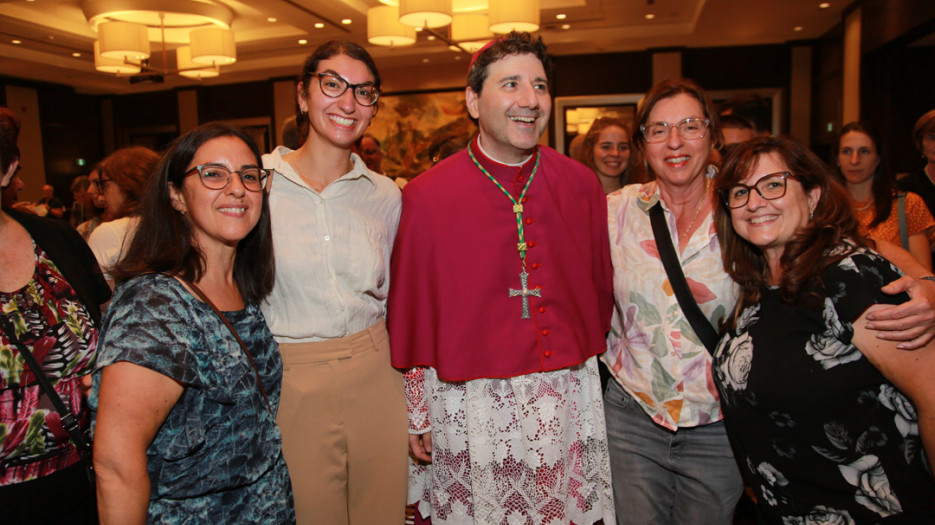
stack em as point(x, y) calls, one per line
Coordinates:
point(324, 52)
point(813, 248)
point(884, 187)
point(164, 239)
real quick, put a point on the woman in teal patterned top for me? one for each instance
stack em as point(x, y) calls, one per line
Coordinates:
point(185, 427)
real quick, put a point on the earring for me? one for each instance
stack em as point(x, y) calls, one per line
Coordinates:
point(811, 214)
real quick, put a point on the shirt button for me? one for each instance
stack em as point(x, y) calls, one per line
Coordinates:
point(548, 353)
point(535, 266)
point(528, 221)
point(545, 332)
point(541, 309)
point(327, 237)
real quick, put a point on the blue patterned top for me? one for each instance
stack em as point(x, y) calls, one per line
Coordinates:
point(218, 456)
point(820, 434)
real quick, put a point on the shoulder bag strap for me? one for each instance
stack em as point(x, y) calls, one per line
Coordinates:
point(69, 421)
point(259, 381)
point(700, 324)
point(903, 228)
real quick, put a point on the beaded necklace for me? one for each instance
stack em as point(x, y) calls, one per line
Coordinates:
point(524, 292)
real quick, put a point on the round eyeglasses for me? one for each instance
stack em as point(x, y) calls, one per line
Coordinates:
point(332, 85)
point(217, 177)
point(689, 129)
point(770, 187)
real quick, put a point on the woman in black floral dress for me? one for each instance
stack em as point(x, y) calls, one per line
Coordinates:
point(828, 423)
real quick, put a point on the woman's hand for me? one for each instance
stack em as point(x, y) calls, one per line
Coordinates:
point(133, 403)
point(911, 323)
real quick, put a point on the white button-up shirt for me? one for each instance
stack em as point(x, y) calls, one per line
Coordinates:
point(332, 251)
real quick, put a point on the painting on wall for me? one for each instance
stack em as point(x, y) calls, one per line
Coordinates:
point(407, 124)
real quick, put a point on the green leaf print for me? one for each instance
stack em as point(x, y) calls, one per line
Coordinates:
point(662, 383)
point(648, 311)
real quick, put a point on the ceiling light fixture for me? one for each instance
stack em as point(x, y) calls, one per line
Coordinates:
point(561, 16)
point(126, 28)
point(384, 29)
point(649, 16)
point(824, 5)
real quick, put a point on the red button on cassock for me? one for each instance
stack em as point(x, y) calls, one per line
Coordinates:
point(546, 332)
point(541, 309)
point(528, 221)
point(535, 266)
point(548, 353)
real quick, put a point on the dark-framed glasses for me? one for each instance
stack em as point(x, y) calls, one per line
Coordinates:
point(689, 129)
point(333, 85)
point(770, 187)
point(217, 177)
point(101, 184)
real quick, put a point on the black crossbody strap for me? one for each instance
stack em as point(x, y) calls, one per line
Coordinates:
point(207, 301)
point(69, 421)
point(670, 261)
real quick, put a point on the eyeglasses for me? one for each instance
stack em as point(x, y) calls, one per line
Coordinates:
point(101, 184)
point(689, 129)
point(770, 187)
point(334, 86)
point(217, 177)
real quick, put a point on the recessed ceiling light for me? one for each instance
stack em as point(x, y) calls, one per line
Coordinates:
point(824, 5)
point(76, 54)
point(271, 19)
point(458, 57)
point(346, 21)
point(566, 26)
point(302, 42)
point(17, 42)
point(649, 16)
point(797, 28)
point(319, 25)
point(425, 61)
point(430, 37)
point(561, 16)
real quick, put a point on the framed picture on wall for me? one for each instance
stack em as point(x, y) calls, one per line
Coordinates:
point(407, 124)
point(574, 115)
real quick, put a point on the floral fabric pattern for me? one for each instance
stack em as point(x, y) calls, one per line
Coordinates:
point(50, 321)
point(652, 350)
point(220, 428)
point(821, 435)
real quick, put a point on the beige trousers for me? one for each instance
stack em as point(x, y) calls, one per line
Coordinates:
point(344, 430)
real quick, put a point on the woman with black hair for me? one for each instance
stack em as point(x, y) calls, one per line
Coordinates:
point(186, 392)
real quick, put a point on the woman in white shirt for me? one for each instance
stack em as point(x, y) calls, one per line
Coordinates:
point(343, 412)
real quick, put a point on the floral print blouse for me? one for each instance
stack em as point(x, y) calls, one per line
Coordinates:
point(48, 319)
point(652, 350)
point(820, 435)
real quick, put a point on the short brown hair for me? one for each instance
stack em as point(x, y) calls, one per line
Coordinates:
point(670, 88)
point(130, 169)
point(925, 124)
point(513, 43)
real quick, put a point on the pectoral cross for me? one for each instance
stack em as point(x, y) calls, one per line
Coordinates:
point(525, 292)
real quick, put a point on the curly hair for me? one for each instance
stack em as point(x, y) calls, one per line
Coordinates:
point(164, 238)
point(813, 248)
point(513, 43)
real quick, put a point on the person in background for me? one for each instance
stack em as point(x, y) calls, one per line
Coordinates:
point(922, 182)
point(49, 204)
point(9, 198)
point(82, 209)
point(876, 198)
point(828, 423)
point(186, 392)
point(576, 148)
point(753, 109)
point(343, 411)
point(736, 129)
point(122, 179)
point(445, 146)
point(499, 331)
point(97, 202)
point(51, 290)
point(606, 150)
point(368, 147)
point(290, 133)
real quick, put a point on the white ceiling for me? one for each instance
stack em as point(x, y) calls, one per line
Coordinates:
point(51, 30)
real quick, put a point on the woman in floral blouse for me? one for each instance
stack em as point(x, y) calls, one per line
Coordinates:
point(829, 423)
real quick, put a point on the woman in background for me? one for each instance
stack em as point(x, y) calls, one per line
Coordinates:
point(122, 179)
point(343, 412)
point(875, 195)
point(606, 151)
point(185, 427)
point(827, 421)
point(51, 290)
